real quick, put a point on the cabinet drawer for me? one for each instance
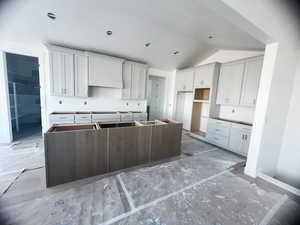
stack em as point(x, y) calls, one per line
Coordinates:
point(217, 140)
point(83, 118)
point(126, 116)
point(105, 117)
point(140, 116)
point(61, 119)
point(219, 128)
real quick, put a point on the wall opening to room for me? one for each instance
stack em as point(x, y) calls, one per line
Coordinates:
point(24, 95)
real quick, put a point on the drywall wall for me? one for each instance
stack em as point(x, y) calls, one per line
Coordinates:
point(224, 56)
point(288, 166)
point(245, 114)
point(5, 125)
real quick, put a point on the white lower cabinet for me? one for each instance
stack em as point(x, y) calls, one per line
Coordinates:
point(229, 135)
point(83, 118)
point(239, 139)
point(139, 116)
point(103, 117)
point(61, 118)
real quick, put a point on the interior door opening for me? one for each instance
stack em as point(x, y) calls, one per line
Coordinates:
point(24, 95)
point(156, 97)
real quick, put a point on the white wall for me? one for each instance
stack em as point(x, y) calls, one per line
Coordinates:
point(245, 114)
point(288, 167)
point(224, 56)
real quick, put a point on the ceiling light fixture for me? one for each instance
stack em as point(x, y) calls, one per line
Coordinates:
point(109, 32)
point(147, 44)
point(176, 53)
point(51, 15)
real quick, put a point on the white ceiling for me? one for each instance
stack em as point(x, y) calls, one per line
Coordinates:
point(170, 25)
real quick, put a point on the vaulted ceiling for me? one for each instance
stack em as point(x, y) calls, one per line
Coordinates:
point(169, 25)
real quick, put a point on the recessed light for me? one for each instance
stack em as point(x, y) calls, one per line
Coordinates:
point(51, 15)
point(109, 32)
point(176, 53)
point(147, 44)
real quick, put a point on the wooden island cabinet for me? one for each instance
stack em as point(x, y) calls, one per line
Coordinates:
point(75, 152)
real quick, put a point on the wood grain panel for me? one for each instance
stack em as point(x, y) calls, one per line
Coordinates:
point(128, 146)
point(166, 141)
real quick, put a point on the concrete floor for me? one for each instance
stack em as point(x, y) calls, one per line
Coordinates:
point(204, 186)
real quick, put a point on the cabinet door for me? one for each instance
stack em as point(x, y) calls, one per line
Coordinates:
point(251, 82)
point(230, 84)
point(81, 76)
point(188, 107)
point(185, 80)
point(127, 78)
point(245, 144)
point(179, 107)
point(69, 74)
point(57, 78)
point(105, 71)
point(204, 77)
point(138, 82)
point(235, 139)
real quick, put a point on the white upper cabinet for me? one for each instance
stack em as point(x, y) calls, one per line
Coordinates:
point(127, 76)
point(230, 84)
point(251, 82)
point(68, 72)
point(185, 80)
point(61, 73)
point(139, 75)
point(81, 75)
point(204, 76)
point(105, 71)
point(134, 80)
point(239, 82)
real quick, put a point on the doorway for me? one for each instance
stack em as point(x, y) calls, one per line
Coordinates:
point(156, 93)
point(24, 95)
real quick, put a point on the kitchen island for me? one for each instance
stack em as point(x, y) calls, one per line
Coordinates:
point(79, 151)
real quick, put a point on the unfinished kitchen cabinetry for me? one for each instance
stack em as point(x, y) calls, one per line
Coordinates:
point(184, 80)
point(81, 74)
point(230, 83)
point(134, 80)
point(239, 82)
point(68, 72)
point(204, 102)
point(74, 152)
point(105, 116)
point(105, 71)
point(204, 76)
point(230, 135)
point(251, 81)
point(62, 77)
